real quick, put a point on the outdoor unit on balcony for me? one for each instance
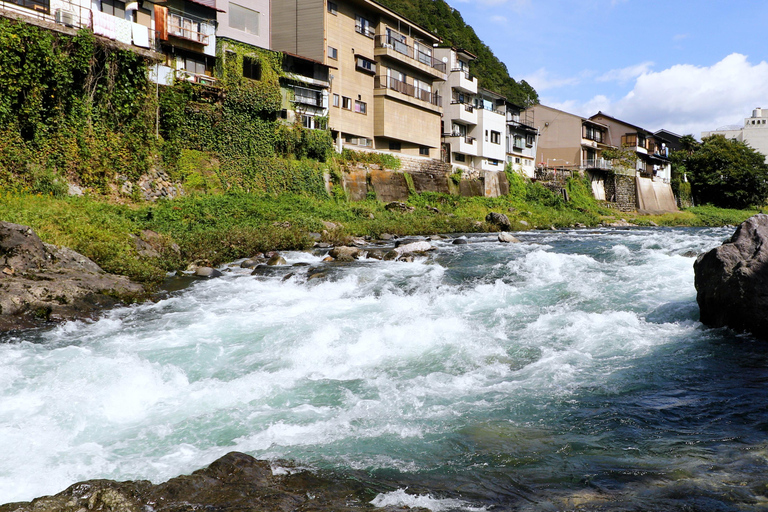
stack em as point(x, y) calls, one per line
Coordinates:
point(65, 17)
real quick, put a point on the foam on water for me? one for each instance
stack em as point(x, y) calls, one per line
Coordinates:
point(378, 362)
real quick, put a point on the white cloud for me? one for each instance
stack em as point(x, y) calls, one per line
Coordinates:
point(541, 80)
point(680, 37)
point(686, 98)
point(501, 20)
point(627, 74)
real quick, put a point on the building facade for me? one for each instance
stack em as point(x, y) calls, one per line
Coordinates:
point(460, 146)
point(383, 72)
point(754, 132)
point(522, 139)
point(246, 21)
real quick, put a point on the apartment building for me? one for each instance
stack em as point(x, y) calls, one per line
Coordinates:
point(383, 72)
point(521, 141)
point(305, 90)
point(754, 132)
point(460, 147)
point(491, 130)
point(651, 150)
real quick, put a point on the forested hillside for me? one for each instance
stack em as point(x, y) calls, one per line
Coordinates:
point(446, 22)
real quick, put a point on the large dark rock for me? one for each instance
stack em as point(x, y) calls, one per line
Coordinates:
point(732, 280)
point(499, 220)
point(235, 482)
point(41, 283)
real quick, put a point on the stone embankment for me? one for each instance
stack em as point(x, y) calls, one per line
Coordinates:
point(235, 482)
point(732, 280)
point(41, 283)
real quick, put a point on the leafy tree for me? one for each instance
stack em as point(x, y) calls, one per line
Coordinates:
point(727, 173)
point(445, 21)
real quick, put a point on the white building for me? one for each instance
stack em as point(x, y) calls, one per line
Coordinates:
point(754, 132)
point(491, 130)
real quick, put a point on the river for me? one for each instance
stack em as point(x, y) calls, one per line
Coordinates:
point(566, 370)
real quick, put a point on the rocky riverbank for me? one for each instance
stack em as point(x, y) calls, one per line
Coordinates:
point(235, 482)
point(42, 284)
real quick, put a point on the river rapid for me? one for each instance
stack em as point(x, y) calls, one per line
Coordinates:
point(567, 370)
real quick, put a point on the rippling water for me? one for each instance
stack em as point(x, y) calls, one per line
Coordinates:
point(567, 370)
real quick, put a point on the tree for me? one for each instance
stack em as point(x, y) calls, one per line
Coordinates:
point(727, 173)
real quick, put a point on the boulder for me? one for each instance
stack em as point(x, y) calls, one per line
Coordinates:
point(207, 272)
point(732, 280)
point(41, 282)
point(345, 253)
point(276, 260)
point(460, 241)
point(507, 238)
point(498, 220)
point(414, 247)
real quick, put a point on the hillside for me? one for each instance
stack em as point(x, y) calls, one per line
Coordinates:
point(446, 22)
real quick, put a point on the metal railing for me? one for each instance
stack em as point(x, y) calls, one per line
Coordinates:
point(400, 47)
point(464, 138)
point(468, 107)
point(467, 74)
point(307, 96)
point(187, 28)
point(65, 12)
point(195, 78)
point(388, 82)
point(366, 30)
point(597, 163)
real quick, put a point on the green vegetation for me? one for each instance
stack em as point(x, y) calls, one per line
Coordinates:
point(722, 172)
point(441, 19)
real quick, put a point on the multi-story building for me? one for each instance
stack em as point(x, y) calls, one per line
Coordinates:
point(521, 140)
point(651, 151)
point(491, 130)
point(754, 132)
point(460, 147)
point(568, 141)
point(383, 71)
point(305, 90)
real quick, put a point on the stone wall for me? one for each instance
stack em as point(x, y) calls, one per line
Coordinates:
point(621, 191)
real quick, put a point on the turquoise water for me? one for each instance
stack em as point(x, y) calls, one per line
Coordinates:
point(567, 370)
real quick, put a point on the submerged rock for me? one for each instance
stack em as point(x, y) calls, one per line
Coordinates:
point(276, 260)
point(233, 483)
point(460, 241)
point(732, 280)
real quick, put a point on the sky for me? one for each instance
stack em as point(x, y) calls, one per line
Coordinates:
point(683, 65)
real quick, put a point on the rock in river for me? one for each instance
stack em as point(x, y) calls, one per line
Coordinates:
point(499, 220)
point(732, 280)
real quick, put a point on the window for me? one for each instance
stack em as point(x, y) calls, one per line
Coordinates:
point(424, 150)
point(251, 68)
point(491, 161)
point(486, 135)
point(361, 107)
point(335, 100)
point(244, 19)
point(307, 122)
point(459, 157)
point(459, 130)
point(36, 5)
point(366, 65)
point(517, 159)
point(333, 53)
point(113, 7)
point(592, 133)
point(365, 142)
point(333, 8)
point(193, 65)
point(394, 146)
point(529, 140)
point(364, 26)
point(423, 53)
point(518, 143)
point(495, 137)
point(346, 103)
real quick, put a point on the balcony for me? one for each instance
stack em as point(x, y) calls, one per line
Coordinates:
point(392, 84)
point(305, 96)
point(396, 49)
point(195, 78)
point(188, 29)
point(365, 29)
point(597, 163)
point(461, 143)
point(461, 79)
point(459, 111)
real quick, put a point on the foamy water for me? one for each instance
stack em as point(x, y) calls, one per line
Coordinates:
point(485, 375)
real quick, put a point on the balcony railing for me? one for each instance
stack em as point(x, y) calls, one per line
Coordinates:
point(195, 78)
point(597, 163)
point(464, 138)
point(466, 73)
point(408, 51)
point(187, 28)
point(307, 96)
point(388, 82)
point(468, 107)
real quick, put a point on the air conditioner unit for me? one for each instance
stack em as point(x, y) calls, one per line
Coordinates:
point(65, 17)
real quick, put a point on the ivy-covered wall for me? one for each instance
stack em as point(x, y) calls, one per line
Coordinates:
point(71, 108)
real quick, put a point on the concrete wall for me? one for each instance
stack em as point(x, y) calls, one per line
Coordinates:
point(655, 197)
point(559, 136)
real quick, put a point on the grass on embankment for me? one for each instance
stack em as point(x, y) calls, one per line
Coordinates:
point(214, 229)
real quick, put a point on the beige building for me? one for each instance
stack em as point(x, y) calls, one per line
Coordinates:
point(383, 72)
point(754, 132)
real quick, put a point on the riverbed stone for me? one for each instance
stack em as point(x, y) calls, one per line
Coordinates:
point(276, 260)
point(208, 272)
point(732, 280)
point(507, 238)
point(460, 241)
point(419, 246)
point(345, 253)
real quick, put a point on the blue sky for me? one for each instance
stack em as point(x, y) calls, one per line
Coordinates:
point(685, 65)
